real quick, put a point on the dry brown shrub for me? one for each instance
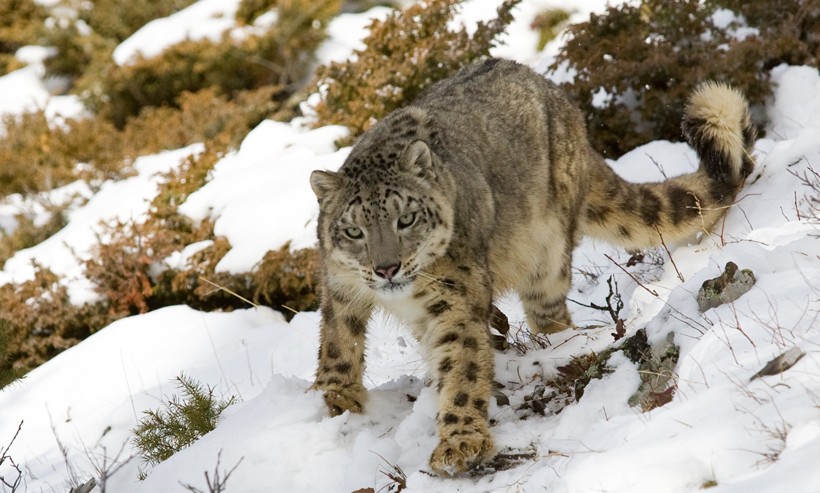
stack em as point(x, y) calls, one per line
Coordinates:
point(40, 320)
point(200, 286)
point(789, 29)
point(127, 253)
point(7, 373)
point(27, 233)
point(284, 280)
point(9, 63)
point(120, 268)
point(403, 54)
point(131, 278)
point(75, 51)
point(643, 60)
point(549, 24)
point(19, 24)
point(95, 142)
point(36, 156)
point(280, 57)
point(127, 266)
point(111, 22)
point(288, 280)
point(249, 10)
point(198, 117)
point(119, 19)
point(25, 161)
point(359, 6)
point(175, 187)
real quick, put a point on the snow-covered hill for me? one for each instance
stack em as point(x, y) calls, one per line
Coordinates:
point(720, 432)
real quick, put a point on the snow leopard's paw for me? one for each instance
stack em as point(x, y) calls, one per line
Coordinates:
point(460, 453)
point(340, 398)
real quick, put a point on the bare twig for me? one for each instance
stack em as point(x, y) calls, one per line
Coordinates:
point(657, 165)
point(811, 180)
point(654, 293)
point(739, 327)
point(74, 480)
point(522, 340)
point(639, 283)
point(614, 293)
point(232, 293)
point(397, 477)
point(15, 482)
point(104, 466)
point(4, 452)
point(218, 483)
point(286, 307)
point(680, 276)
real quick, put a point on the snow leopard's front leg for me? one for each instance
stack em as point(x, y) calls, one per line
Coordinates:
point(341, 351)
point(458, 342)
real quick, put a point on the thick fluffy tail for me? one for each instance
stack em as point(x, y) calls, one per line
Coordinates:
point(716, 124)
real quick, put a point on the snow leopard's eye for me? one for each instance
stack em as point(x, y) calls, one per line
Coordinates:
point(354, 233)
point(406, 220)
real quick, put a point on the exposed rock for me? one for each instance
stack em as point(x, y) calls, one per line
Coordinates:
point(567, 386)
point(656, 368)
point(500, 323)
point(780, 363)
point(501, 398)
point(85, 487)
point(725, 288)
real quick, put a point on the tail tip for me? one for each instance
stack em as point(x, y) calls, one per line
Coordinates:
point(717, 124)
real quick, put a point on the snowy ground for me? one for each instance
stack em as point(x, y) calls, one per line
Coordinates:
point(720, 432)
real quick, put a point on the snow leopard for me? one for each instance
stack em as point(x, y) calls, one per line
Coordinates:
point(484, 184)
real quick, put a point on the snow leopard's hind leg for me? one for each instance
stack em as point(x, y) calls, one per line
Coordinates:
point(543, 290)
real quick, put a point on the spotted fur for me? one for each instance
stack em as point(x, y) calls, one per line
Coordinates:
point(485, 184)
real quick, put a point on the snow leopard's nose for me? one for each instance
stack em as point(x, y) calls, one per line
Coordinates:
point(387, 270)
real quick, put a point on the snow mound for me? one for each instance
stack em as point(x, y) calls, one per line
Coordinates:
point(205, 19)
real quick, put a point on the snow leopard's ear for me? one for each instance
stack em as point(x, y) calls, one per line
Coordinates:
point(324, 182)
point(417, 159)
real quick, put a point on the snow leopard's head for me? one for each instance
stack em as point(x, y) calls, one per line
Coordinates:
point(383, 217)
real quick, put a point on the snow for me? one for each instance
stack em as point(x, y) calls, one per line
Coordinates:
point(273, 157)
point(737, 28)
point(720, 428)
point(794, 111)
point(22, 90)
point(205, 19)
point(346, 33)
point(656, 161)
point(211, 19)
point(125, 200)
point(519, 40)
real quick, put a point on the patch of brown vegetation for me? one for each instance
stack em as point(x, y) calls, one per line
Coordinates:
point(404, 54)
point(642, 60)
